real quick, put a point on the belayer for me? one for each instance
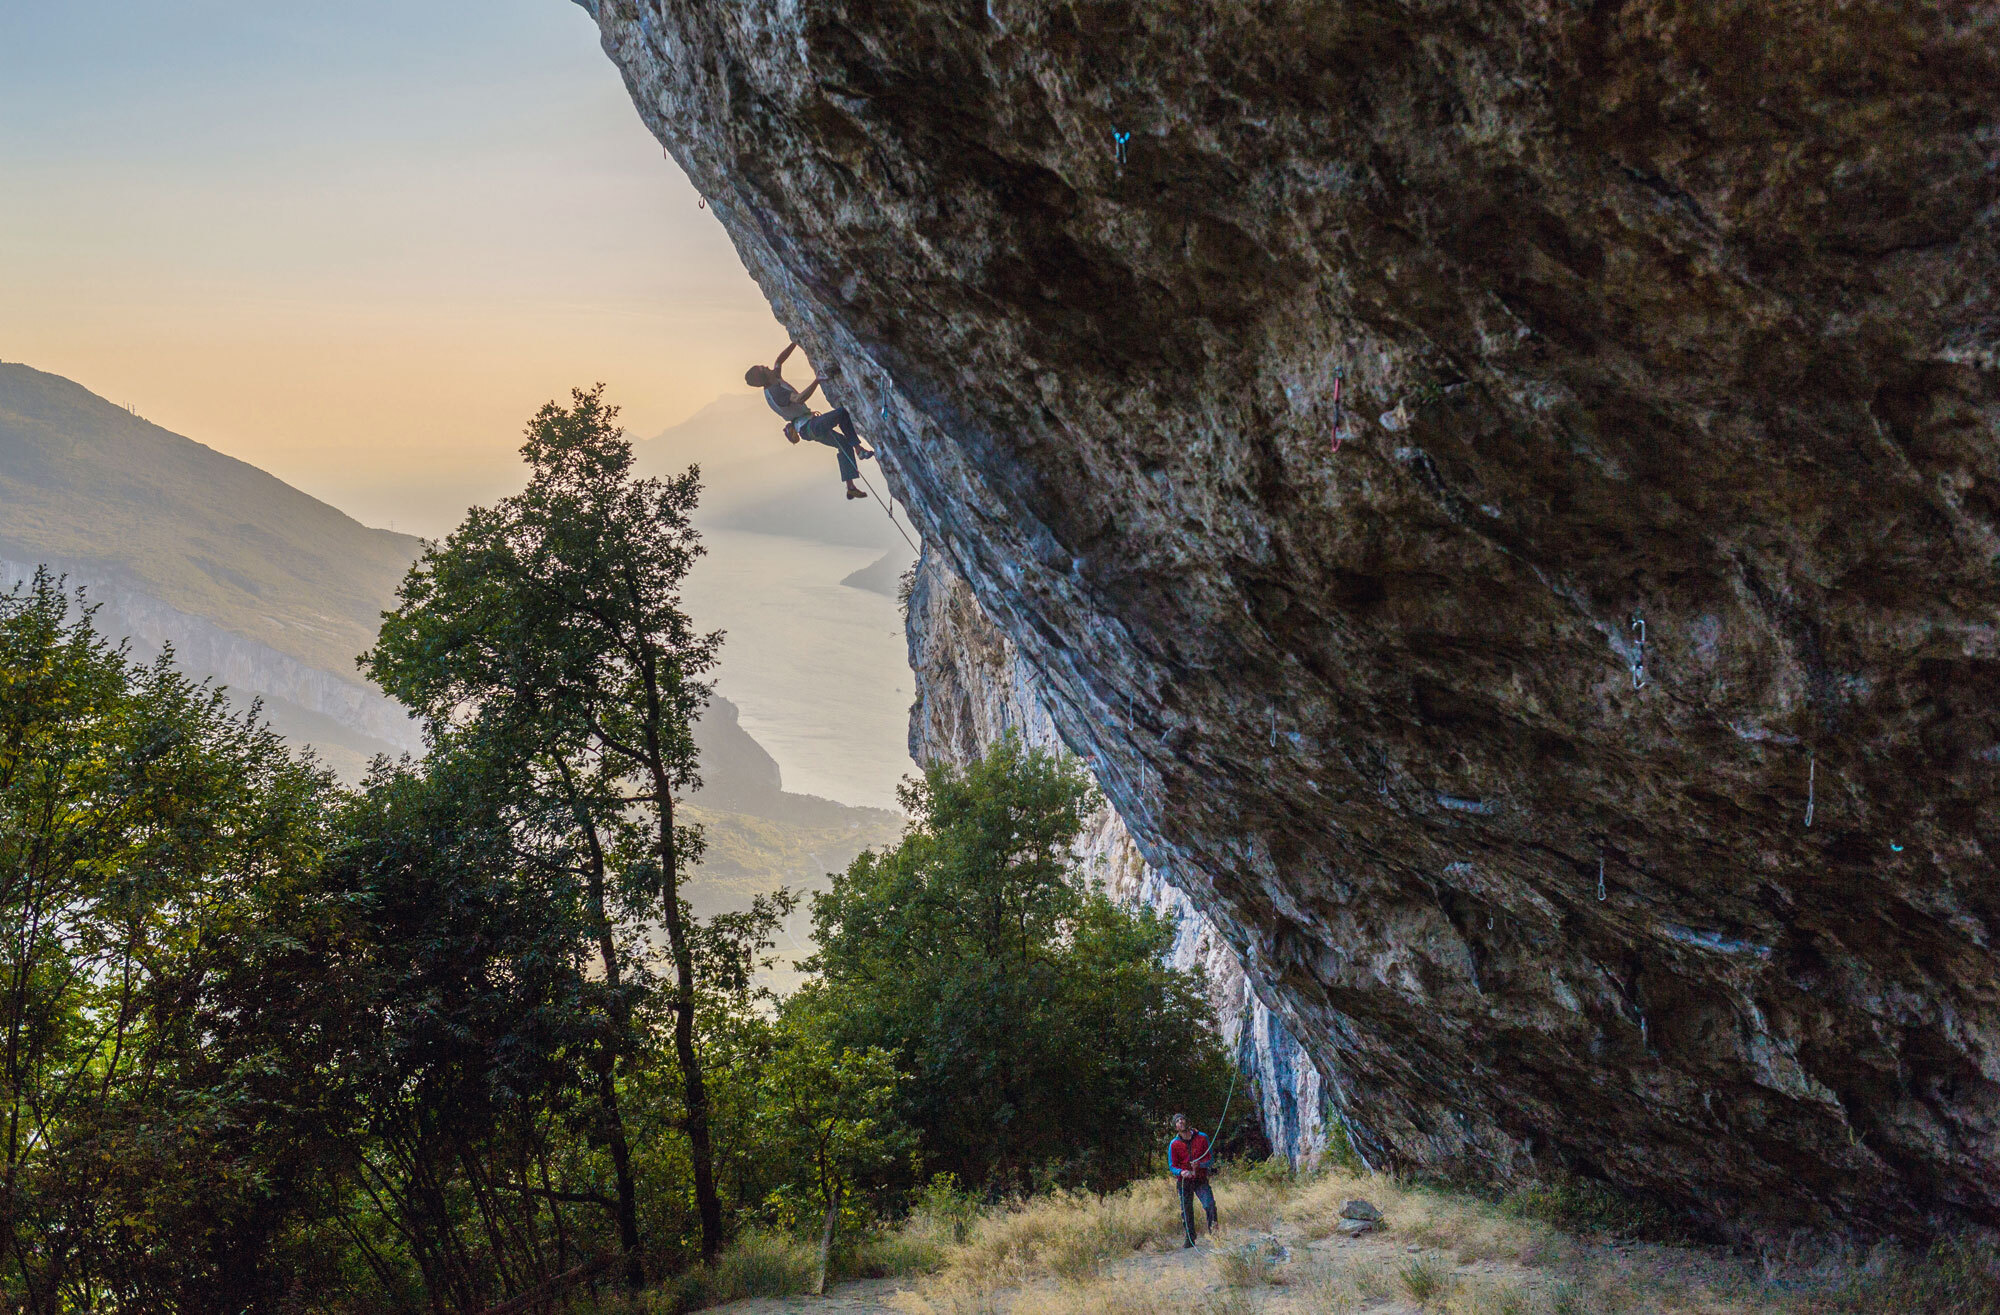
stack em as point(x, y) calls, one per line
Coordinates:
point(1188, 1157)
point(835, 428)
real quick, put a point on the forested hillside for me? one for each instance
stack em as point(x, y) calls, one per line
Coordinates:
point(87, 483)
point(254, 584)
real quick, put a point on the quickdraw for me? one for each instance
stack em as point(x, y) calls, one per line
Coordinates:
point(1812, 771)
point(1338, 376)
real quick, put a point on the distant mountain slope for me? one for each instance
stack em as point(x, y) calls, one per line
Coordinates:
point(87, 484)
point(752, 479)
point(761, 835)
point(272, 593)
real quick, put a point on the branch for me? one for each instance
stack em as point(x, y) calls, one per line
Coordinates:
point(574, 1198)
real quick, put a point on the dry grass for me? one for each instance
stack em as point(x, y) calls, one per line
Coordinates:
point(1066, 1236)
point(1246, 1265)
point(1442, 1253)
point(1127, 1297)
point(1428, 1280)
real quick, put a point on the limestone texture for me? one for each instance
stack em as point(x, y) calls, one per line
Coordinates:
point(973, 688)
point(1485, 716)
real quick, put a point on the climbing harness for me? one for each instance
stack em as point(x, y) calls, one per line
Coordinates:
point(1639, 662)
point(1812, 769)
point(1338, 376)
point(891, 514)
point(1119, 139)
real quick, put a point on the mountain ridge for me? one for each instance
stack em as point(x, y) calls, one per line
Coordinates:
point(86, 484)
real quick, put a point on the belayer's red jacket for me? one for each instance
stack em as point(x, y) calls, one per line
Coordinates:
point(1182, 1154)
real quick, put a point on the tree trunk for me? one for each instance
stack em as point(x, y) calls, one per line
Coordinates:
point(606, 1063)
point(621, 1163)
point(708, 1203)
point(826, 1239)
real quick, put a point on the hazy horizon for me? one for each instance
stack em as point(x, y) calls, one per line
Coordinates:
point(358, 247)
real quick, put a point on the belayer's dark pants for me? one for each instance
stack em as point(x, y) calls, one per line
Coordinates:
point(835, 430)
point(1190, 1189)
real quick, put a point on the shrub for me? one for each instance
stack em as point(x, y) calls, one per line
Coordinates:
point(946, 1207)
point(762, 1265)
point(1585, 1206)
point(1246, 1266)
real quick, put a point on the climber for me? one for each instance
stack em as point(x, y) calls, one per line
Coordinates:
point(835, 428)
point(1187, 1160)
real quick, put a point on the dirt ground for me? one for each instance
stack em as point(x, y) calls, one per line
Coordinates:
point(1188, 1279)
point(1281, 1252)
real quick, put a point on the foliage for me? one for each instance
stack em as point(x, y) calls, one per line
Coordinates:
point(1039, 1034)
point(471, 1031)
point(548, 630)
point(828, 1112)
point(133, 807)
point(437, 1041)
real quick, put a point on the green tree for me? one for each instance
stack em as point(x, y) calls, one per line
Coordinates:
point(553, 621)
point(1039, 1032)
point(829, 1113)
point(468, 1031)
point(135, 812)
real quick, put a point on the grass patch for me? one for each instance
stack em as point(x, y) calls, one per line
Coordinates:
point(756, 1265)
point(763, 1265)
point(1058, 1255)
point(896, 1254)
point(1246, 1266)
point(1425, 1280)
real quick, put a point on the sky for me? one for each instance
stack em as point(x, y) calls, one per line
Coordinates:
point(357, 243)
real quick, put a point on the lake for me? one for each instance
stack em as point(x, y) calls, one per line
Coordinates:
point(819, 670)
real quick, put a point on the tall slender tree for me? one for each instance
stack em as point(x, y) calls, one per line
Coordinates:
point(554, 619)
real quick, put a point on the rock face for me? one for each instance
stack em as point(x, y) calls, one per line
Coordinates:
point(972, 688)
point(1664, 522)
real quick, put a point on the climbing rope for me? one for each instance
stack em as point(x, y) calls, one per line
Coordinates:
point(1216, 1145)
point(1600, 870)
point(889, 511)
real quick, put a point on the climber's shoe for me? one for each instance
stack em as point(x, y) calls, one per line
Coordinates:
point(856, 493)
point(865, 453)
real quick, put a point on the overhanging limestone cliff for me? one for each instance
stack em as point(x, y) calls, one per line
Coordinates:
point(1647, 312)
